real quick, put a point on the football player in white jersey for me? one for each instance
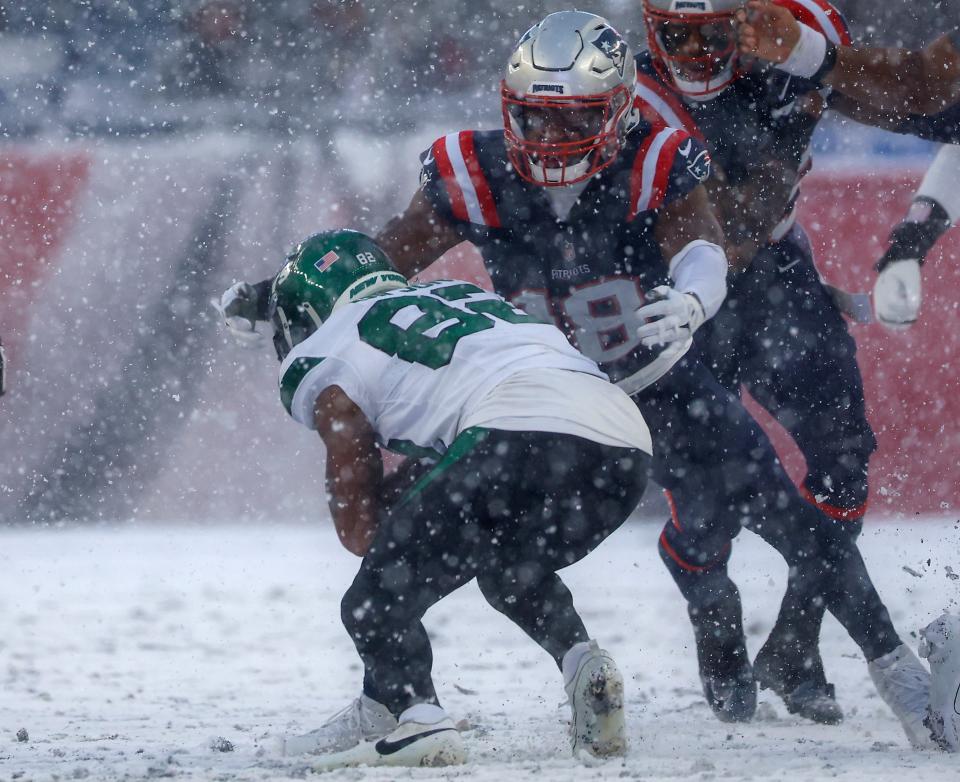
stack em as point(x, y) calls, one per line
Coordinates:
point(539, 459)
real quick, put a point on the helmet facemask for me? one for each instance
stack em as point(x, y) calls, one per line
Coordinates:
point(555, 141)
point(695, 52)
point(290, 330)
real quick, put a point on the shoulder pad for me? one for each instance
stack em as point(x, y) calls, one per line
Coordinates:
point(823, 16)
point(454, 180)
point(660, 105)
point(668, 165)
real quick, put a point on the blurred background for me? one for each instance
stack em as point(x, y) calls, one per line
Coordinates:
point(115, 68)
point(153, 152)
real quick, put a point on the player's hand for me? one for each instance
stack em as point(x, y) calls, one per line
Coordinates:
point(671, 317)
point(897, 294)
point(238, 306)
point(767, 31)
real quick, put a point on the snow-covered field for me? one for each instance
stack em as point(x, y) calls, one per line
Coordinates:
point(131, 652)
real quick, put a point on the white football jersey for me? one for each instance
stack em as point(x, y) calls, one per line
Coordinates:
point(418, 360)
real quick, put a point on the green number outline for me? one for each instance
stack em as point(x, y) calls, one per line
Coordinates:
point(412, 344)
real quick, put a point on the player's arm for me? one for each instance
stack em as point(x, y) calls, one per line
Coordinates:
point(895, 80)
point(687, 220)
point(691, 241)
point(750, 210)
point(354, 468)
point(417, 237)
point(897, 293)
point(413, 239)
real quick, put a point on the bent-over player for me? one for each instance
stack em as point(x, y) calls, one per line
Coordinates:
point(540, 459)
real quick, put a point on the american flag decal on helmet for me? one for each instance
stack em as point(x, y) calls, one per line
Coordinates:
point(327, 261)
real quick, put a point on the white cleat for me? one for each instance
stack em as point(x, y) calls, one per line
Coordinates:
point(363, 720)
point(904, 685)
point(940, 645)
point(425, 736)
point(595, 691)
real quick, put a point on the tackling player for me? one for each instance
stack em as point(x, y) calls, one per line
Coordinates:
point(540, 459)
point(578, 208)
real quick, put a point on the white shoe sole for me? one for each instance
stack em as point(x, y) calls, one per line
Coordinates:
point(940, 644)
point(598, 727)
point(443, 748)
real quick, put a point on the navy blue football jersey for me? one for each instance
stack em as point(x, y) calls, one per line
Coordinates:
point(588, 272)
point(757, 118)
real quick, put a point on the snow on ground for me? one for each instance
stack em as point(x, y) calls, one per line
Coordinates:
point(134, 653)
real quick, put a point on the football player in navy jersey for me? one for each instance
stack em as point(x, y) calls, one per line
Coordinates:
point(915, 92)
point(591, 218)
point(779, 333)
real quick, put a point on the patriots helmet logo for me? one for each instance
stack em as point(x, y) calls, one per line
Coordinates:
point(699, 167)
point(613, 46)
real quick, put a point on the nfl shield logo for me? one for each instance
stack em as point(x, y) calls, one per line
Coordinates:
point(327, 261)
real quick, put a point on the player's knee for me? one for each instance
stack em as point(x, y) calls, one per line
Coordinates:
point(506, 588)
point(360, 613)
point(693, 567)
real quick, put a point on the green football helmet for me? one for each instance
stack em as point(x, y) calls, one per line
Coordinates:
point(324, 272)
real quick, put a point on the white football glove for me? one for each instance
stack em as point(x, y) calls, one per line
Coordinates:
point(671, 317)
point(238, 306)
point(897, 294)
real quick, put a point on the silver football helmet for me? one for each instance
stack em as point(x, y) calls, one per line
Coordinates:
point(694, 45)
point(568, 98)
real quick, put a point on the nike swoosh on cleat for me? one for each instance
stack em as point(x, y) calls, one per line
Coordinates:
point(788, 266)
point(385, 747)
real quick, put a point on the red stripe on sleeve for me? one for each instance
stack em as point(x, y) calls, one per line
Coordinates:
point(837, 20)
point(488, 207)
point(636, 175)
point(805, 16)
point(661, 180)
point(445, 167)
point(653, 116)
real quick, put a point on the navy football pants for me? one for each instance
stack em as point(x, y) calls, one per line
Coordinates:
point(781, 336)
point(721, 475)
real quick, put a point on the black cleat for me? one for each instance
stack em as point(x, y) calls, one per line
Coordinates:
point(725, 670)
point(731, 695)
point(803, 687)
